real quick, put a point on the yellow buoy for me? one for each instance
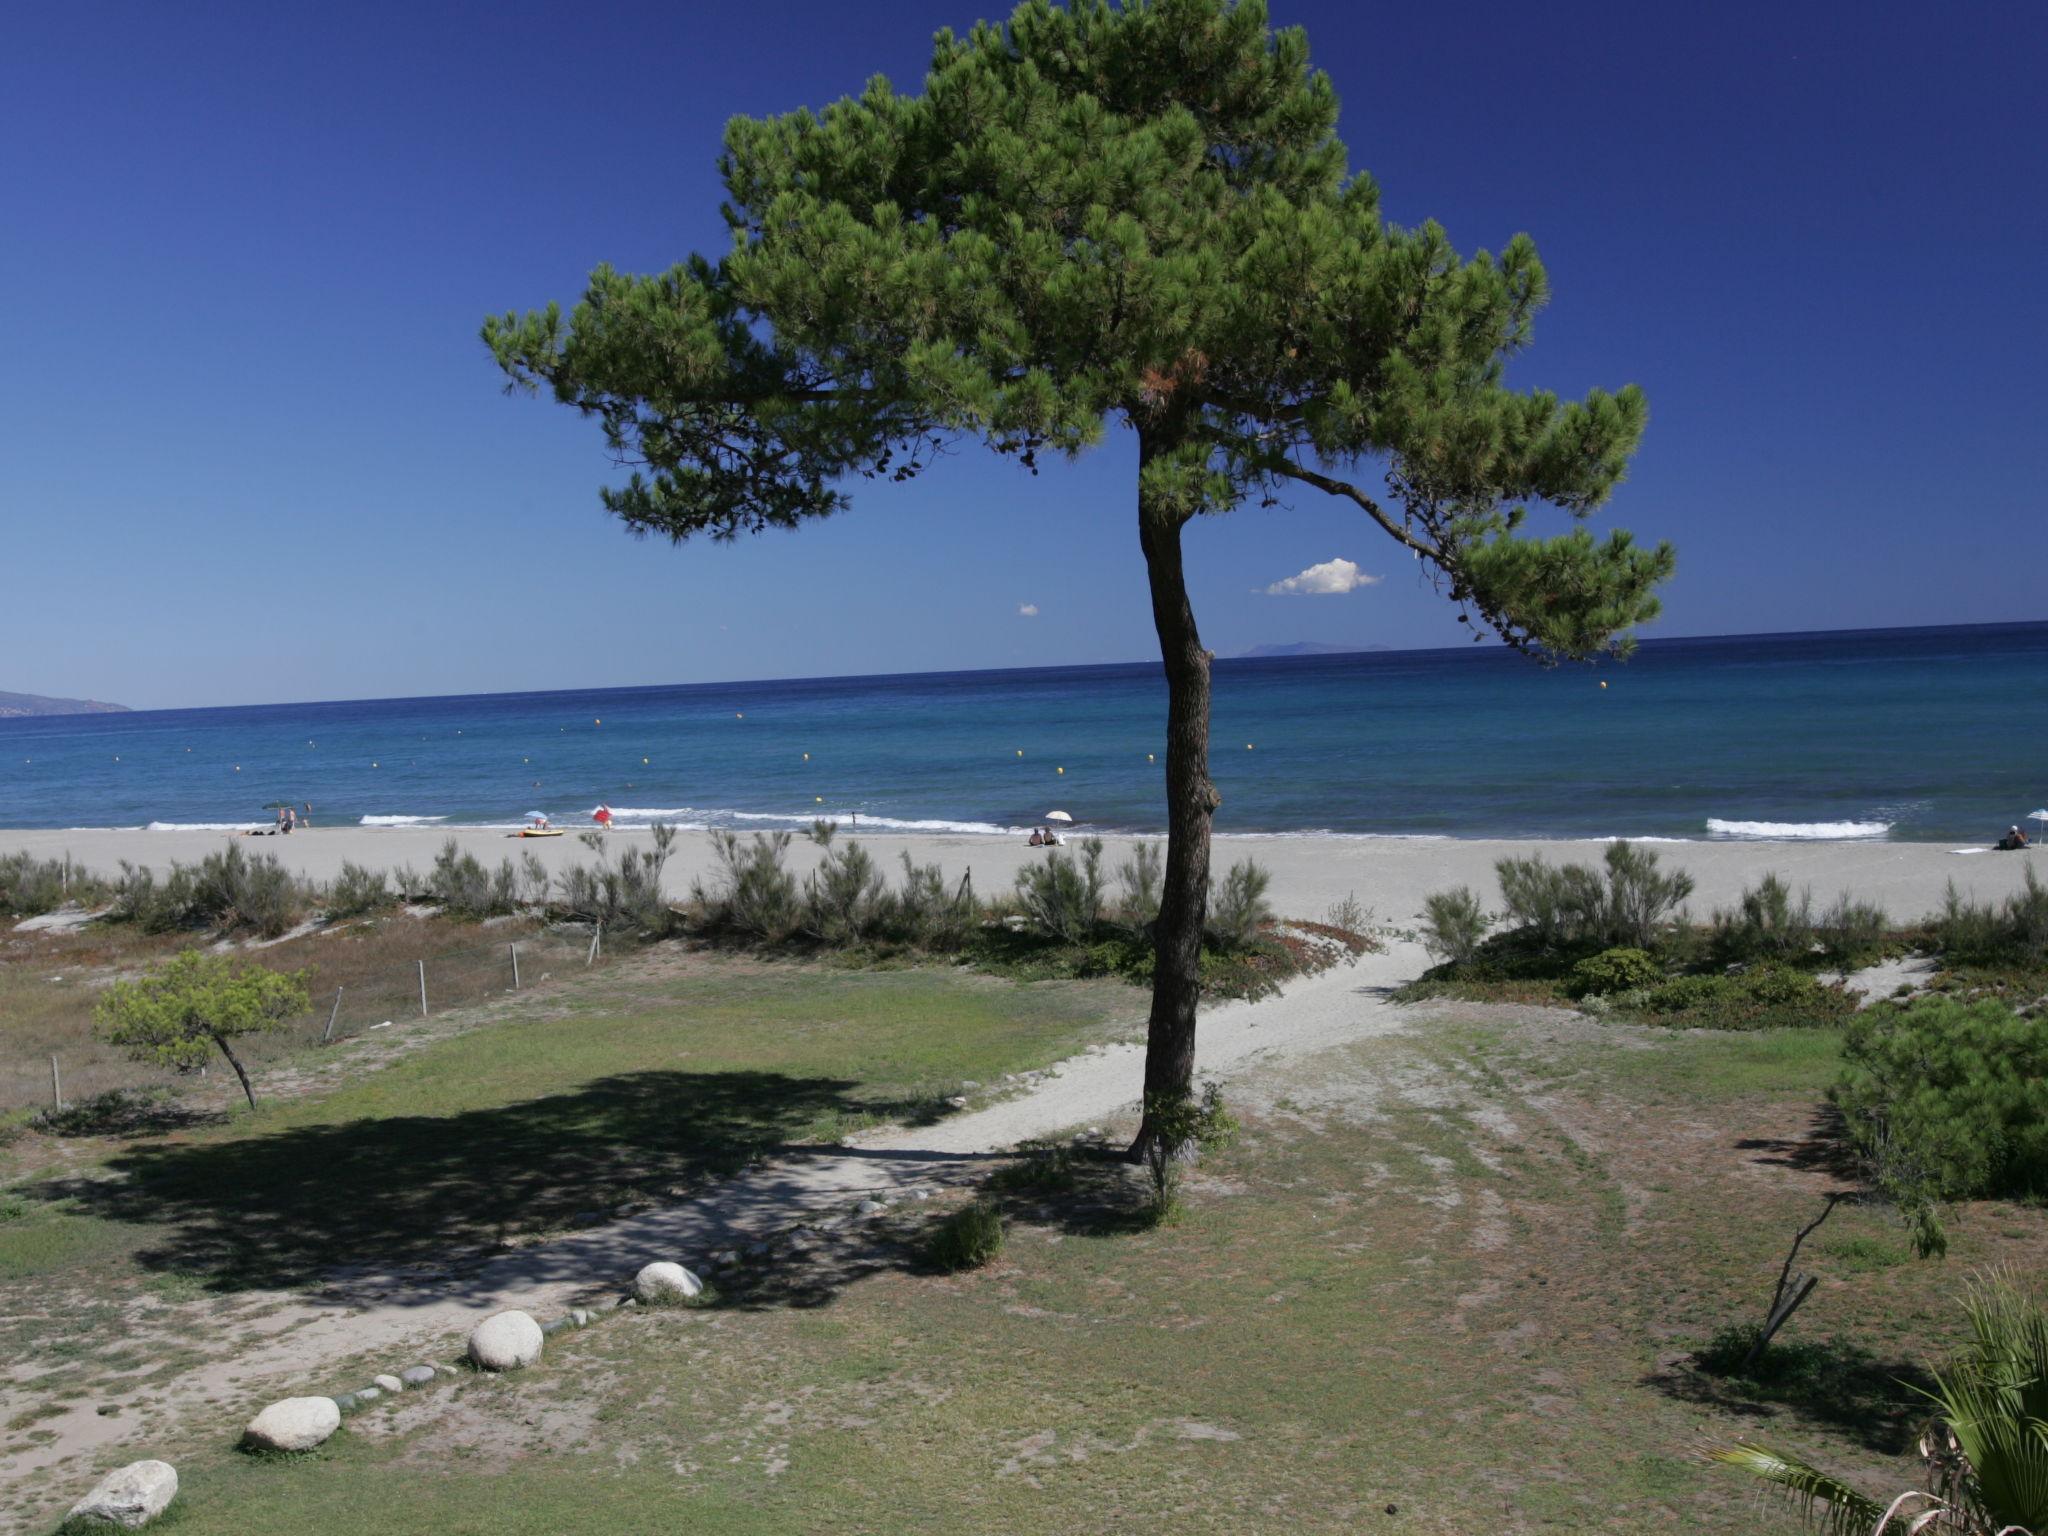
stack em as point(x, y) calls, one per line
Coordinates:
point(819, 798)
point(807, 757)
point(1020, 751)
point(597, 722)
point(643, 759)
point(1247, 746)
point(1059, 770)
point(117, 759)
point(239, 770)
point(739, 717)
point(1603, 685)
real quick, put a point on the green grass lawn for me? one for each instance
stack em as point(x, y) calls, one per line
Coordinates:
point(1445, 1282)
point(630, 1085)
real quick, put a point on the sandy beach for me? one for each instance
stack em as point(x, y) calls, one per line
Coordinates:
point(1389, 875)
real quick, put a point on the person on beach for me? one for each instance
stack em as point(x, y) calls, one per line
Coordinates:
point(1037, 838)
point(2012, 841)
point(602, 816)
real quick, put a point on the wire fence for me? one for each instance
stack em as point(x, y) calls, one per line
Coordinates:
point(452, 979)
point(348, 1000)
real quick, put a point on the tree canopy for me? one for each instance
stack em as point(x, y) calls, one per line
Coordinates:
point(1092, 217)
point(196, 1003)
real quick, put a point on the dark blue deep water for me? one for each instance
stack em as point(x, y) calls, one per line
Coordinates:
point(1907, 734)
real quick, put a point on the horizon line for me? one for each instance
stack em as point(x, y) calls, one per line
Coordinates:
point(1375, 650)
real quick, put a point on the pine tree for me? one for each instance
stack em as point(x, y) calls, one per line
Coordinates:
point(1101, 216)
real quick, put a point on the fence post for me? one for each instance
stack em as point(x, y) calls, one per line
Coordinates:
point(56, 1087)
point(595, 939)
point(423, 989)
point(515, 966)
point(328, 1033)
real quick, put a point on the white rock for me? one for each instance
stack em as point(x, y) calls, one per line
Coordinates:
point(417, 1376)
point(132, 1496)
point(296, 1424)
point(663, 1281)
point(368, 1394)
point(505, 1342)
point(870, 1207)
point(388, 1383)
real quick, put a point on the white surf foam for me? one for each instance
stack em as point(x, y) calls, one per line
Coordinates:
point(399, 821)
point(1797, 831)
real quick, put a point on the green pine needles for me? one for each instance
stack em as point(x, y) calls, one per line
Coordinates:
point(1096, 216)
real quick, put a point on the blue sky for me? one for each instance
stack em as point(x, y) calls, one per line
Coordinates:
point(251, 449)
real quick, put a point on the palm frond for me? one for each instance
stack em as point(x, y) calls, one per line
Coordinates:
point(1832, 1505)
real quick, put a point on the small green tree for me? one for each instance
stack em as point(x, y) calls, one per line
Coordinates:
point(199, 1001)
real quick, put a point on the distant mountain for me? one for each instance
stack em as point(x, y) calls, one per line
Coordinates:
point(36, 704)
point(1310, 648)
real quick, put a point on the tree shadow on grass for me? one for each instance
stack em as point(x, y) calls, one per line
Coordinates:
point(1823, 1149)
point(1880, 1404)
point(292, 1206)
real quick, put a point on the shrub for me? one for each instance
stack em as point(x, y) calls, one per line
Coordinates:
point(257, 893)
point(228, 888)
point(1766, 924)
point(2013, 933)
point(756, 897)
point(1572, 907)
point(1139, 881)
point(622, 894)
point(466, 889)
point(1182, 1129)
point(1349, 915)
point(1762, 997)
point(1948, 1100)
point(1237, 908)
point(1062, 895)
point(843, 899)
point(1852, 932)
point(1453, 923)
point(357, 890)
point(967, 1239)
point(29, 886)
point(1638, 897)
point(931, 914)
point(1614, 970)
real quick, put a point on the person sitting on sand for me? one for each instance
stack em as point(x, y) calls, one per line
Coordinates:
point(1037, 838)
point(2013, 840)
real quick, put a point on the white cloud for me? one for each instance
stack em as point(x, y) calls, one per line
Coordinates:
point(1326, 580)
point(1028, 610)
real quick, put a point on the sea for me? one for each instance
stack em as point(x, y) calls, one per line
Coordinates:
point(1927, 734)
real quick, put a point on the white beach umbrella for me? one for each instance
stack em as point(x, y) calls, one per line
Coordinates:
point(1058, 816)
point(2041, 815)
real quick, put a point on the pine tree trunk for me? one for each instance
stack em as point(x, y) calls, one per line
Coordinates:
point(221, 1041)
point(1191, 802)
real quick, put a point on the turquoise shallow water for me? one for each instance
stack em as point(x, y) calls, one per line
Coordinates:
point(1929, 734)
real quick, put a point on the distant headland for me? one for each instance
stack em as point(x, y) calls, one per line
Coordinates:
point(12, 704)
point(1308, 648)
